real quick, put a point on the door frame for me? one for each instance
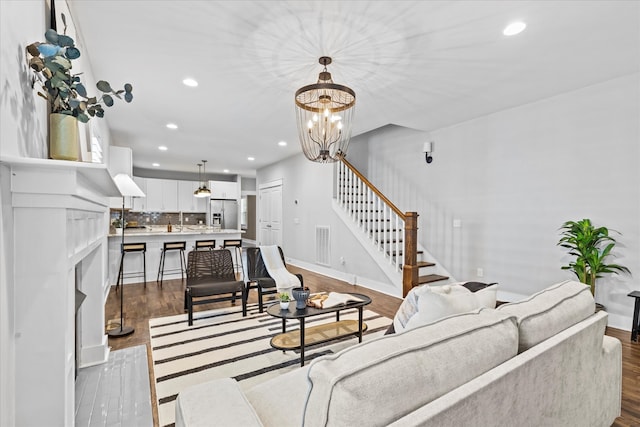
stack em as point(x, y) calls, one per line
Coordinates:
point(261, 188)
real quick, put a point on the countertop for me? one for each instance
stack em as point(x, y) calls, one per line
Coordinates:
point(186, 231)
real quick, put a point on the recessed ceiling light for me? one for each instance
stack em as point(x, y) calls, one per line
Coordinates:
point(282, 143)
point(514, 28)
point(155, 165)
point(251, 159)
point(226, 171)
point(172, 126)
point(190, 82)
point(162, 148)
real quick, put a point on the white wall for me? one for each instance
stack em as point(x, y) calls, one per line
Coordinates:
point(311, 184)
point(22, 113)
point(23, 133)
point(514, 177)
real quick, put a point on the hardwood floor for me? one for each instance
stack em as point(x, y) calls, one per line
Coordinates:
point(142, 304)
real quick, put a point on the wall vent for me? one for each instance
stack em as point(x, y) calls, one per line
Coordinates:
point(322, 245)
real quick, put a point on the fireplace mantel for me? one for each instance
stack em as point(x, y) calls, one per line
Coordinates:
point(60, 221)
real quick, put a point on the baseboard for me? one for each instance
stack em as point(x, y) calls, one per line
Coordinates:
point(352, 279)
point(620, 322)
point(95, 355)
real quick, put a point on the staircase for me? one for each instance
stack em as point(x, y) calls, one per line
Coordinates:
point(388, 234)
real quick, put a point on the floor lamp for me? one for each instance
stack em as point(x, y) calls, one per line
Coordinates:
point(127, 188)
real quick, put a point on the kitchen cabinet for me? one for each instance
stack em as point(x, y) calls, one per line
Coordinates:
point(162, 195)
point(224, 190)
point(139, 204)
point(187, 202)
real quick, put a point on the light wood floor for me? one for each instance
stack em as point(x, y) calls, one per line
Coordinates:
point(142, 304)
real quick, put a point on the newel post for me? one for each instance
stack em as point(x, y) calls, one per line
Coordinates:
point(410, 267)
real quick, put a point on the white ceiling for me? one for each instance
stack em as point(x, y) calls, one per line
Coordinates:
point(424, 65)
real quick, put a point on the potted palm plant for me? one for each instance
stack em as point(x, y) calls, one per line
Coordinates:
point(591, 246)
point(67, 96)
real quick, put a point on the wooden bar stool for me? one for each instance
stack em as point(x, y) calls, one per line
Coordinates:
point(126, 248)
point(168, 247)
point(236, 244)
point(205, 245)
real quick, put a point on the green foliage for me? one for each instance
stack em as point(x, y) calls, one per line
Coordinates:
point(591, 246)
point(51, 62)
point(283, 297)
point(117, 222)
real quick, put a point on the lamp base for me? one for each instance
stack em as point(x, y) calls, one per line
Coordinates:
point(121, 332)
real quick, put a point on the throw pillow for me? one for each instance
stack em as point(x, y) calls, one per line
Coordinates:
point(407, 309)
point(409, 306)
point(488, 296)
point(437, 302)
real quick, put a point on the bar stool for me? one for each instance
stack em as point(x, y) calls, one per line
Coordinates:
point(205, 244)
point(236, 244)
point(126, 248)
point(172, 246)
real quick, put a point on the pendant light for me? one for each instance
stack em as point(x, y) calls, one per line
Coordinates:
point(325, 112)
point(202, 190)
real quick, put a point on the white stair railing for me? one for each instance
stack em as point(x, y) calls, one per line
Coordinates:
point(381, 221)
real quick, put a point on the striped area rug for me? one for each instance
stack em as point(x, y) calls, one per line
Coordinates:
point(221, 343)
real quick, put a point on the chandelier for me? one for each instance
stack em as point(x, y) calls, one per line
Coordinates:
point(202, 190)
point(325, 112)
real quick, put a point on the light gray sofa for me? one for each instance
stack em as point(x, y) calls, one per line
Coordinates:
point(543, 361)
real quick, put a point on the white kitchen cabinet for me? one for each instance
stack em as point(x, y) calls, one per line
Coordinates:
point(162, 195)
point(224, 190)
point(139, 204)
point(187, 202)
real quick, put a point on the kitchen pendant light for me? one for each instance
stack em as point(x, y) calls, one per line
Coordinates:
point(202, 190)
point(325, 113)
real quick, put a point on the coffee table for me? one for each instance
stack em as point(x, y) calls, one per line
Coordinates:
point(319, 333)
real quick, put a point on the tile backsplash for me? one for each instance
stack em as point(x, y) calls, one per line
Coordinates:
point(160, 218)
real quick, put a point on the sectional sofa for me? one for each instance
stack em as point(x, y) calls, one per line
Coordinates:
point(543, 361)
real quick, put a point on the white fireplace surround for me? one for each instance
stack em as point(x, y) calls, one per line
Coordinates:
point(60, 220)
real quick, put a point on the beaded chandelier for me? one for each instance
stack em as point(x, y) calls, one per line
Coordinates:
point(325, 112)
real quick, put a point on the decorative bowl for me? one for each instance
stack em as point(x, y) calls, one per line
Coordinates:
point(301, 295)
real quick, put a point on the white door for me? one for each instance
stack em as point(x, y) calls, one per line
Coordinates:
point(270, 219)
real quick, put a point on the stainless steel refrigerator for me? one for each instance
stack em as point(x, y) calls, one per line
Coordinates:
point(225, 213)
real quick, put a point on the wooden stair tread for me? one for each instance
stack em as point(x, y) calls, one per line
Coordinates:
point(421, 264)
point(430, 278)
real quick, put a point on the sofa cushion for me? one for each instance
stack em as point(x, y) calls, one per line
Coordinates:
point(360, 385)
point(550, 311)
point(279, 401)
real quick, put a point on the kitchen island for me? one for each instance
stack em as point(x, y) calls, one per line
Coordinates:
point(155, 239)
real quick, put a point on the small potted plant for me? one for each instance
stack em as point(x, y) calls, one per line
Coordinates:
point(117, 224)
point(283, 297)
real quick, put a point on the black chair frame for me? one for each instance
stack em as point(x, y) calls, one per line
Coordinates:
point(258, 276)
point(132, 248)
point(236, 244)
point(210, 274)
point(172, 246)
point(205, 245)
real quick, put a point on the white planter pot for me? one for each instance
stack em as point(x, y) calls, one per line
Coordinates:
point(284, 305)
